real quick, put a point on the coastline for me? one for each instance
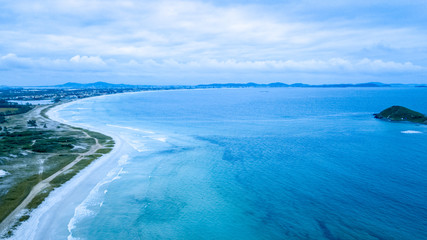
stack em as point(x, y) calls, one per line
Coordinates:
point(60, 206)
point(364, 130)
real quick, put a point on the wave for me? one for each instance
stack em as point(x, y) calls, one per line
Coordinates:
point(38, 225)
point(131, 128)
point(140, 142)
point(65, 198)
point(91, 205)
point(411, 132)
point(3, 173)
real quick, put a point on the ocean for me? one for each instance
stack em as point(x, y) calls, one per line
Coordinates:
point(251, 163)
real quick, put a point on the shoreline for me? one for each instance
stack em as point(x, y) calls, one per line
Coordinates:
point(30, 228)
point(33, 226)
point(355, 125)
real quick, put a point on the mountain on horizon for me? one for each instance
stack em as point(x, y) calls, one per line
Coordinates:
point(93, 85)
point(104, 85)
point(280, 84)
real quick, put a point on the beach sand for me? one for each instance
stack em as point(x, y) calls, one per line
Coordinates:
point(51, 220)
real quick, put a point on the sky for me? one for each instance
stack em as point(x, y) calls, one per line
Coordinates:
point(216, 41)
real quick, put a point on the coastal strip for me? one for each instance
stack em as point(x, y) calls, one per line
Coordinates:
point(94, 146)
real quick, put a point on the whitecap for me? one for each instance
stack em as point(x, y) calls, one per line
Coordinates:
point(161, 139)
point(411, 132)
point(137, 145)
point(131, 128)
point(123, 160)
point(94, 199)
point(3, 173)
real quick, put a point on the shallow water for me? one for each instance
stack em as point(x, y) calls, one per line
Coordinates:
point(288, 163)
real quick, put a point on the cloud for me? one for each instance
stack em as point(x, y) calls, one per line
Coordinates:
point(12, 61)
point(87, 60)
point(337, 65)
point(189, 29)
point(224, 37)
point(332, 65)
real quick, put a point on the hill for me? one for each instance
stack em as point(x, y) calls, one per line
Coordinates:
point(93, 85)
point(399, 113)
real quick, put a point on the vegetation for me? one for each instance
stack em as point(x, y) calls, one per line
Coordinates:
point(58, 147)
point(46, 141)
point(62, 178)
point(56, 163)
point(13, 142)
point(38, 199)
point(16, 195)
point(7, 109)
point(104, 150)
point(399, 113)
point(102, 139)
point(53, 144)
point(32, 123)
point(31, 155)
point(43, 112)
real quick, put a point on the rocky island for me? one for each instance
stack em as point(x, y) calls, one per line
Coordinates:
point(399, 114)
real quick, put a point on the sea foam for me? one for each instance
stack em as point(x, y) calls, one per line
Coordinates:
point(3, 173)
point(411, 132)
point(130, 128)
point(91, 205)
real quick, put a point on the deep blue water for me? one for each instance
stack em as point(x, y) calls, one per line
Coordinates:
point(288, 163)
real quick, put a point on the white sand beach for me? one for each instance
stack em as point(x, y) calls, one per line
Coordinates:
point(51, 220)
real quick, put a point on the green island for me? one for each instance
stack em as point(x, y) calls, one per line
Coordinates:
point(38, 155)
point(399, 114)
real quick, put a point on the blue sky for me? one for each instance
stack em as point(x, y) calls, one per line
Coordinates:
point(191, 42)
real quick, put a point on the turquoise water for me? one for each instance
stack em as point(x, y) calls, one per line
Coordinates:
point(258, 164)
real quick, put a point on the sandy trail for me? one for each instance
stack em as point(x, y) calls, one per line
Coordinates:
point(38, 188)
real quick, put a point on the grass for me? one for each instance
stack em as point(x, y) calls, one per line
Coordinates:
point(20, 191)
point(56, 148)
point(40, 141)
point(49, 145)
point(24, 218)
point(44, 141)
point(102, 139)
point(64, 177)
point(61, 179)
point(15, 141)
point(104, 150)
point(12, 110)
point(57, 162)
point(38, 199)
point(16, 195)
point(43, 112)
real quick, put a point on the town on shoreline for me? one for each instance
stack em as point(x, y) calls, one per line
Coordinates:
point(71, 91)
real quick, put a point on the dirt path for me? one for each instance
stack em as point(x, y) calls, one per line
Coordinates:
point(38, 188)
